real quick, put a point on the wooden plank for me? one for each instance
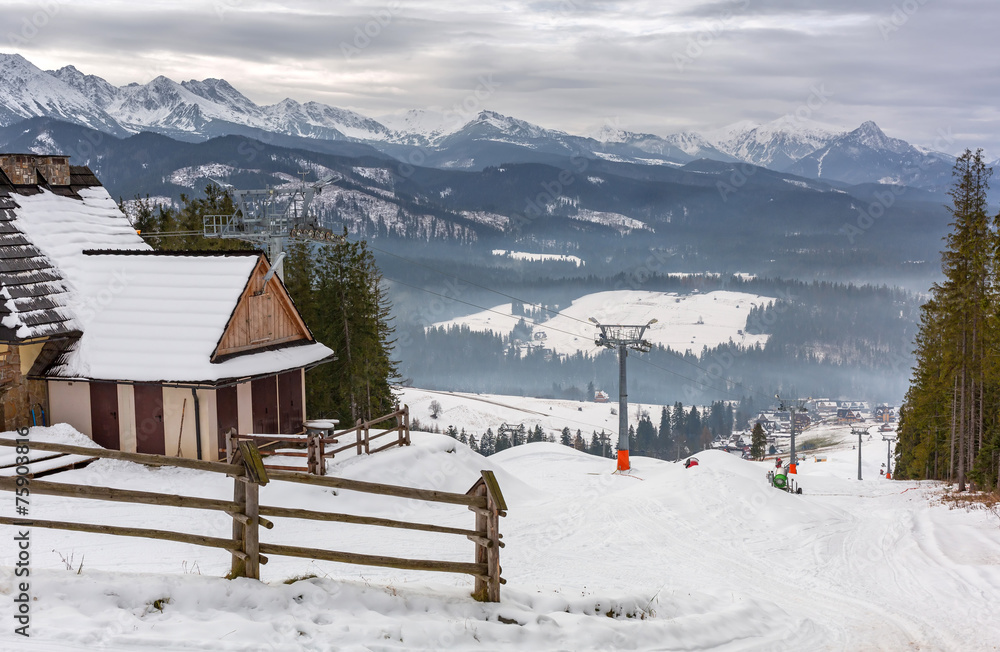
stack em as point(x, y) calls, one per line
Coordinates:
point(340, 450)
point(145, 533)
point(275, 467)
point(310, 515)
point(374, 560)
point(430, 495)
point(48, 464)
point(119, 495)
point(253, 463)
point(384, 433)
point(382, 448)
point(138, 458)
point(494, 488)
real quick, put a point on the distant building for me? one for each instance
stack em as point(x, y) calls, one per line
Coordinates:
point(885, 414)
point(848, 415)
point(600, 397)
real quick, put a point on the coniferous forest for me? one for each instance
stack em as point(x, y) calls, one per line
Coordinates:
point(949, 427)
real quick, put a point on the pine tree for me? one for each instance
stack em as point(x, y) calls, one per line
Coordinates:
point(566, 438)
point(758, 442)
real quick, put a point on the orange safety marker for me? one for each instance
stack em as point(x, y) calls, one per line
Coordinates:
point(623, 461)
point(791, 468)
point(888, 476)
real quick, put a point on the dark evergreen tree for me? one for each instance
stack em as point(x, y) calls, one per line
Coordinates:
point(758, 442)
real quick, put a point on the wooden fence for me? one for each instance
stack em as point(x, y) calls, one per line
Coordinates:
point(317, 452)
point(249, 474)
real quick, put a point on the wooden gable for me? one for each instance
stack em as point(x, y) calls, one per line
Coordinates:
point(264, 317)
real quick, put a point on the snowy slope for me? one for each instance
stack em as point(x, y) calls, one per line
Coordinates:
point(666, 558)
point(722, 314)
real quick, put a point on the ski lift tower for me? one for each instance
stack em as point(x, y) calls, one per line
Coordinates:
point(623, 337)
point(889, 439)
point(271, 218)
point(860, 431)
point(792, 409)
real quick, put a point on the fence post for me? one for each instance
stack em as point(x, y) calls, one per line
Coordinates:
point(311, 466)
point(368, 433)
point(239, 564)
point(488, 545)
point(321, 454)
point(406, 419)
point(357, 431)
point(246, 520)
point(251, 531)
point(481, 590)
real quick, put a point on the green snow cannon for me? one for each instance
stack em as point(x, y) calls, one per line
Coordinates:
point(780, 481)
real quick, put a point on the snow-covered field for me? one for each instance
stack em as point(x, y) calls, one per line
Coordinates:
point(477, 412)
point(524, 255)
point(663, 558)
point(685, 321)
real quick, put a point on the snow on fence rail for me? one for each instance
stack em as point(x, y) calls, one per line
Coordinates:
point(249, 474)
point(316, 442)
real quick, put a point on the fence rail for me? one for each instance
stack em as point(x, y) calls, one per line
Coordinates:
point(249, 474)
point(317, 453)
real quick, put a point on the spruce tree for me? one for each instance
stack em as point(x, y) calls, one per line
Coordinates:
point(758, 442)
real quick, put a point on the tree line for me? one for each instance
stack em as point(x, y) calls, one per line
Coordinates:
point(678, 433)
point(949, 428)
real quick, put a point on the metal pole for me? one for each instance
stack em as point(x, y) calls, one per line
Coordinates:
point(794, 460)
point(860, 433)
point(623, 463)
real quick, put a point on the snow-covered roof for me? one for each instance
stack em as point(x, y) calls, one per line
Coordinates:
point(42, 238)
point(33, 295)
point(64, 227)
point(155, 317)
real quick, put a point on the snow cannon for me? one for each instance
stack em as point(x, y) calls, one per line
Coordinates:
point(783, 482)
point(691, 461)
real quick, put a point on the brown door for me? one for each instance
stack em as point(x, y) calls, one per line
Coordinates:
point(149, 420)
point(227, 410)
point(264, 392)
point(104, 414)
point(290, 402)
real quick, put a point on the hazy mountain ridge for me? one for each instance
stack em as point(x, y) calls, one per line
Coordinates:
point(198, 110)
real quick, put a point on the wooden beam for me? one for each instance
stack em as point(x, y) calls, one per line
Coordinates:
point(138, 458)
point(494, 488)
point(381, 489)
point(375, 560)
point(118, 495)
point(163, 535)
point(291, 512)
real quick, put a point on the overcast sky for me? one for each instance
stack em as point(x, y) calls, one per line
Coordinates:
point(925, 70)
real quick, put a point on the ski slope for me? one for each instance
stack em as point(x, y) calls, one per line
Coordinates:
point(685, 321)
point(665, 558)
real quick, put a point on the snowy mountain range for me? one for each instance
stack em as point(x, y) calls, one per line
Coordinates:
point(198, 110)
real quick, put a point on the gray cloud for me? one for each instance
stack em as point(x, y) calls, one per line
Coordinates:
point(916, 67)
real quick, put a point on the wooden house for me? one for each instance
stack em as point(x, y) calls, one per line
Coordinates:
point(154, 352)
